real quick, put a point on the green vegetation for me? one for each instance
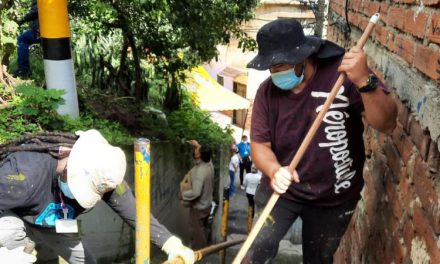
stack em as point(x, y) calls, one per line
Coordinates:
point(131, 59)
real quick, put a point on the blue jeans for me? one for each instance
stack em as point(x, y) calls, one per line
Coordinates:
point(232, 184)
point(24, 40)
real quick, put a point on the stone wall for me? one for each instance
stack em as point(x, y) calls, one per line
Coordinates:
point(398, 218)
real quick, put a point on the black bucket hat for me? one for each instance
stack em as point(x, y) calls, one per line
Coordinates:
point(282, 41)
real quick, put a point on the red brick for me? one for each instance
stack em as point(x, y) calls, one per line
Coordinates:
point(406, 193)
point(434, 29)
point(431, 2)
point(353, 19)
point(403, 143)
point(408, 234)
point(403, 112)
point(393, 225)
point(384, 7)
point(433, 158)
point(405, 1)
point(363, 22)
point(425, 231)
point(395, 162)
point(393, 199)
point(427, 60)
point(420, 137)
point(395, 17)
point(426, 190)
point(398, 251)
point(354, 5)
point(404, 47)
point(373, 8)
point(336, 8)
point(415, 23)
point(382, 35)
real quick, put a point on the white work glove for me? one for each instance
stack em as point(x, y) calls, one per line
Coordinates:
point(174, 248)
point(16, 256)
point(282, 179)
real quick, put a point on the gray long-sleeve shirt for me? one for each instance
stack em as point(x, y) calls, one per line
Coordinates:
point(202, 178)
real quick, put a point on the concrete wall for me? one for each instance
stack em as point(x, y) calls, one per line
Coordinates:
point(398, 218)
point(110, 239)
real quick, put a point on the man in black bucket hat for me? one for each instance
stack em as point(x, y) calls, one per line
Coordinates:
point(325, 187)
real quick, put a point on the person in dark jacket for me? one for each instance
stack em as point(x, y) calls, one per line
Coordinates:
point(26, 39)
point(41, 196)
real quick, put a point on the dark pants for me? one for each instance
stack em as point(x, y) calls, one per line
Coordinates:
point(24, 40)
point(199, 219)
point(322, 230)
point(232, 183)
point(250, 198)
point(245, 164)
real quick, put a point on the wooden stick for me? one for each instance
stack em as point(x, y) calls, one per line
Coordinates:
point(310, 134)
point(199, 254)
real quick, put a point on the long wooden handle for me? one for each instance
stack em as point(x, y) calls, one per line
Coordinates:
point(306, 142)
point(199, 254)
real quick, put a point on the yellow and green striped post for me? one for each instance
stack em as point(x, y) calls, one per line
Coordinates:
point(55, 41)
point(142, 193)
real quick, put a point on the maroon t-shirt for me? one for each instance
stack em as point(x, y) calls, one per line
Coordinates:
point(331, 169)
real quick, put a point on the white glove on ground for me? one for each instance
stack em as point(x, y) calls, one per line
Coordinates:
point(174, 248)
point(282, 179)
point(16, 256)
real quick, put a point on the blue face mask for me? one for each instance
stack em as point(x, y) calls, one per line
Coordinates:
point(64, 187)
point(287, 80)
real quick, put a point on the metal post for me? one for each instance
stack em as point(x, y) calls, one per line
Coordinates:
point(58, 64)
point(250, 212)
point(224, 223)
point(142, 193)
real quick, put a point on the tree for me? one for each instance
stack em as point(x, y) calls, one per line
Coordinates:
point(173, 35)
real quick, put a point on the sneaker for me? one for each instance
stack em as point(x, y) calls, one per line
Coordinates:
point(242, 187)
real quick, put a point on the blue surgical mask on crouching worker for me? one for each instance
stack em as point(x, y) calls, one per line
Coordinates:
point(64, 187)
point(287, 80)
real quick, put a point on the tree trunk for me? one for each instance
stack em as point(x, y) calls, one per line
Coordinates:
point(136, 60)
point(172, 96)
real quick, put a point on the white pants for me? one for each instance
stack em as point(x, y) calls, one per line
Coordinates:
point(14, 232)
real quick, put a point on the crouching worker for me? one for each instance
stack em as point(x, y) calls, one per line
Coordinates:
point(42, 194)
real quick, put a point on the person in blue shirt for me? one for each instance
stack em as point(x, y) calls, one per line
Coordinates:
point(244, 150)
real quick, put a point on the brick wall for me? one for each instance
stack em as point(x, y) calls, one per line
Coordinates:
point(398, 218)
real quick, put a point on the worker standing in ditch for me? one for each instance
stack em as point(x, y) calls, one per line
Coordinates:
point(200, 194)
point(42, 194)
point(325, 187)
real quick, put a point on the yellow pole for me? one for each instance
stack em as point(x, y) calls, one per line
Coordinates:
point(57, 56)
point(224, 223)
point(142, 193)
point(250, 211)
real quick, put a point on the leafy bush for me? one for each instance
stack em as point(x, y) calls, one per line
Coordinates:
point(34, 110)
point(190, 122)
